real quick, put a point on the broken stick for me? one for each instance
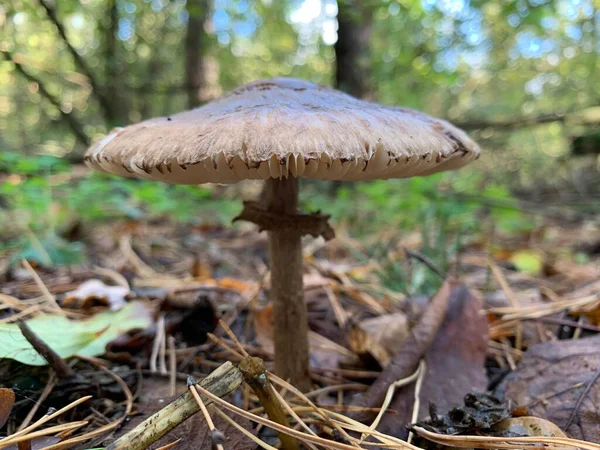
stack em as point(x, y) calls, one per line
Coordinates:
point(227, 378)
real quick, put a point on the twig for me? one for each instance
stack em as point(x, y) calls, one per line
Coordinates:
point(580, 399)
point(427, 262)
point(566, 322)
point(143, 269)
point(519, 122)
point(276, 426)
point(280, 382)
point(244, 431)
point(115, 276)
point(170, 446)
point(255, 374)
point(341, 316)
point(28, 430)
point(492, 442)
point(45, 432)
point(296, 417)
point(42, 287)
point(157, 355)
point(43, 396)
point(216, 436)
point(163, 347)
point(513, 300)
point(221, 382)
point(172, 367)
point(390, 394)
point(417, 403)
point(233, 337)
point(60, 367)
point(543, 399)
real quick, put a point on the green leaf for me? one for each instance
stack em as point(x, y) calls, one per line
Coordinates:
point(71, 337)
point(528, 261)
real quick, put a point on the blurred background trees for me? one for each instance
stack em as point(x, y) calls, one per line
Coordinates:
point(522, 76)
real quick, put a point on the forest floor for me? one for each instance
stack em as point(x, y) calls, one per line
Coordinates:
point(512, 332)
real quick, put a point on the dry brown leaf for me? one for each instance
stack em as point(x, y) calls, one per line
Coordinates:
point(323, 352)
point(235, 284)
point(455, 363)
point(7, 400)
point(551, 379)
point(528, 426)
point(378, 336)
point(407, 356)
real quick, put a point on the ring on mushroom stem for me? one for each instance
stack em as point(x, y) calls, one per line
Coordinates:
point(280, 130)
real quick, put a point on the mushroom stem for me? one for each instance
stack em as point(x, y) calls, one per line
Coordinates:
point(287, 292)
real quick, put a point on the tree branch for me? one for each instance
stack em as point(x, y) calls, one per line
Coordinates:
point(75, 126)
point(83, 67)
point(523, 122)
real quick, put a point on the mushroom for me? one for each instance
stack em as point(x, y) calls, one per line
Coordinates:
point(279, 130)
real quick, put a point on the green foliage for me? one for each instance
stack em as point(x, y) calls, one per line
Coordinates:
point(36, 207)
point(444, 208)
point(459, 199)
point(68, 338)
point(48, 250)
point(464, 61)
point(18, 163)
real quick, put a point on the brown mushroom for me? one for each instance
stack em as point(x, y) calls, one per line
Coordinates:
point(280, 130)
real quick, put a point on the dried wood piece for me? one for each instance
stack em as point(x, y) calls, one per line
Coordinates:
point(221, 382)
point(60, 367)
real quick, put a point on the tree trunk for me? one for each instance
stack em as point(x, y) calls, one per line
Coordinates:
point(352, 64)
point(195, 46)
point(117, 107)
point(287, 291)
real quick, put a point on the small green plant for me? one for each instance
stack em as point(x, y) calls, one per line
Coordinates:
point(36, 205)
point(445, 209)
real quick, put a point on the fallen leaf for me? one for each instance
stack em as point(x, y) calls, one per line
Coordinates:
point(7, 400)
point(407, 356)
point(235, 284)
point(379, 336)
point(324, 352)
point(67, 338)
point(455, 364)
point(114, 296)
point(527, 426)
point(550, 380)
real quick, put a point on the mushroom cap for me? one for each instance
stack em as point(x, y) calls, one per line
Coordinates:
point(284, 127)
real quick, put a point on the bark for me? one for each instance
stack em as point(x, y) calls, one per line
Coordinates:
point(117, 107)
point(353, 72)
point(287, 292)
point(195, 46)
point(352, 62)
